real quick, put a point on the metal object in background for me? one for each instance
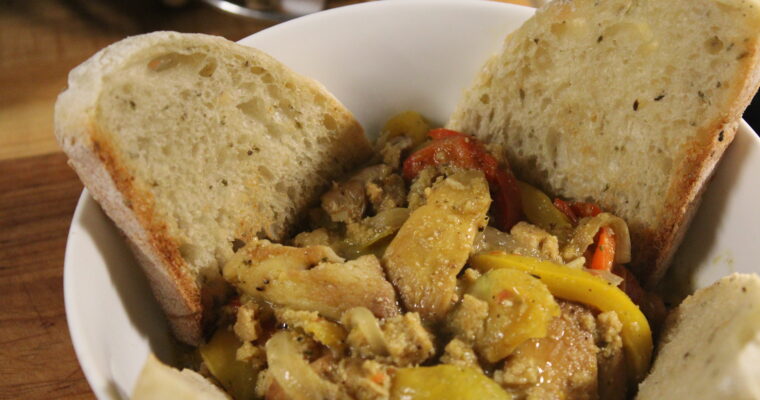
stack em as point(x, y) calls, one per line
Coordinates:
point(272, 10)
point(279, 10)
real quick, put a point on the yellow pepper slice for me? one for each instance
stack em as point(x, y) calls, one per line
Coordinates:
point(407, 123)
point(237, 377)
point(540, 210)
point(445, 382)
point(328, 333)
point(582, 287)
point(520, 307)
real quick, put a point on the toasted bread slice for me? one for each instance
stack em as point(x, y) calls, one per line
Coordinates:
point(193, 144)
point(711, 345)
point(627, 103)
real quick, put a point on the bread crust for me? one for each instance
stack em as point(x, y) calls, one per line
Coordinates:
point(703, 158)
point(184, 295)
point(110, 185)
point(494, 110)
point(708, 346)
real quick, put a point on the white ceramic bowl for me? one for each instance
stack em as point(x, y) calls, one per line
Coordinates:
point(378, 58)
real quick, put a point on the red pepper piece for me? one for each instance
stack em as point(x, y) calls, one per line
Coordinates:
point(604, 254)
point(576, 210)
point(651, 304)
point(565, 208)
point(504, 295)
point(464, 151)
point(583, 209)
point(440, 133)
point(457, 150)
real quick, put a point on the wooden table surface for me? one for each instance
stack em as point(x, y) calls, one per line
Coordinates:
point(40, 41)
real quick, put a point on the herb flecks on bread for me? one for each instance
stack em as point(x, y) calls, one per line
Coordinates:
point(191, 144)
point(626, 103)
point(711, 345)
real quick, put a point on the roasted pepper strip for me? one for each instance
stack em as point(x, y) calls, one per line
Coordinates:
point(582, 287)
point(444, 382)
point(407, 123)
point(237, 377)
point(459, 150)
point(464, 151)
point(604, 254)
point(576, 210)
point(583, 209)
point(565, 208)
point(540, 210)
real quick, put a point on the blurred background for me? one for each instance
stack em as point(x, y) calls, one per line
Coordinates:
point(41, 40)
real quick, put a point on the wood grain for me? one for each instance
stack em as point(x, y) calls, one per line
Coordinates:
point(36, 204)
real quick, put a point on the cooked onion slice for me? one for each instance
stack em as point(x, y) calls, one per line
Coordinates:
point(362, 319)
point(608, 276)
point(293, 373)
point(490, 239)
point(584, 233)
point(361, 236)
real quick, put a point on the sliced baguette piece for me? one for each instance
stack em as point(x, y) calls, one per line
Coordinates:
point(710, 348)
point(627, 103)
point(158, 381)
point(193, 144)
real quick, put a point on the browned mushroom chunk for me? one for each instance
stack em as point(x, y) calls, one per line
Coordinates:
point(433, 245)
point(312, 278)
point(345, 201)
point(562, 365)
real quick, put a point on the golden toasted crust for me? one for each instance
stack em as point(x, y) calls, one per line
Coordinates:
point(190, 143)
point(174, 288)
point(626, 104)
point(684, 199)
